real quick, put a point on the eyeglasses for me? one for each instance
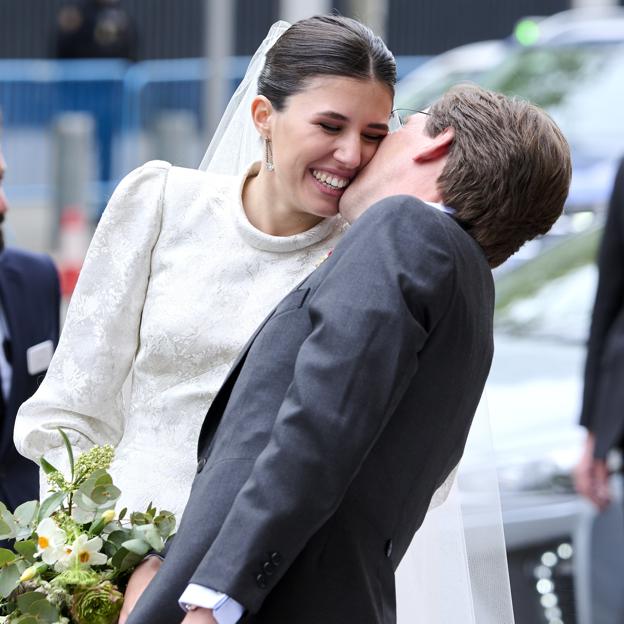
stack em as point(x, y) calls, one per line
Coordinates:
point(399, 117)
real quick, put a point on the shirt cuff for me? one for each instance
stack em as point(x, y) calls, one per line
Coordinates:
point(224, 609)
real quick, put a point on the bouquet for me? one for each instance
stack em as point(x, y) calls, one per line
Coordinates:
point(73, 554)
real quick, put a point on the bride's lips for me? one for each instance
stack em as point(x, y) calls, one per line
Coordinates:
point(329, 181)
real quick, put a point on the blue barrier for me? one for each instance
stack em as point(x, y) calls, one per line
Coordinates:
point(125, 101)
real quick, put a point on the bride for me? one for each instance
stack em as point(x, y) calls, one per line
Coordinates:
point(185, 264)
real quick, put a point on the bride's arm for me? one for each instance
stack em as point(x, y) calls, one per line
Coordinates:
point(82, 388)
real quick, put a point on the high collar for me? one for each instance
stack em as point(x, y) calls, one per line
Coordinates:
point(279, 244)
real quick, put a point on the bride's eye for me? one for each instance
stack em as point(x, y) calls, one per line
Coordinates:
point(329, 128)
point(376, 138)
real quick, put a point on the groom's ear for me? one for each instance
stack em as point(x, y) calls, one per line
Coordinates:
point(435, 147)
point(261, 113)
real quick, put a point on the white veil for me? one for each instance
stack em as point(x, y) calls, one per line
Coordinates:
point(236, 142)
point(455, 569)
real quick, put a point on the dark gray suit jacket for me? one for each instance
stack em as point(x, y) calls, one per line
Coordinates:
point(345, 411)
point(603, 393)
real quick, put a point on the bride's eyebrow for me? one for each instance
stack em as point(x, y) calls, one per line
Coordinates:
point(339, 117)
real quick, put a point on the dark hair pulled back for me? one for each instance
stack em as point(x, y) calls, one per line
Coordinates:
point(324, 45)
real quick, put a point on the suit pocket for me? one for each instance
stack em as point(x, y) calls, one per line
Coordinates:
point(292, 301)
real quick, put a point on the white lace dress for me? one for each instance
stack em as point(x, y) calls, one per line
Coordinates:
point(175, 281)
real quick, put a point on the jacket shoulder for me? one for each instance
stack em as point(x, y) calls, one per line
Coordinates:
point(409, 222)
point(28, 261)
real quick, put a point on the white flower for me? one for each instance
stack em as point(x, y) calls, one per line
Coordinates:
point(51, 541)
point(84, 552)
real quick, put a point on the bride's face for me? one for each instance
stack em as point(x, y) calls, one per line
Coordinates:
point(323, 137)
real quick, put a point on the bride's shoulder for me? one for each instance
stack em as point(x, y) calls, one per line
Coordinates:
point(185, 179)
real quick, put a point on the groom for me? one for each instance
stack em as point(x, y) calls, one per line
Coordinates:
point(352, 402)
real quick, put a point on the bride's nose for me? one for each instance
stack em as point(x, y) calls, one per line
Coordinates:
point(349, 151)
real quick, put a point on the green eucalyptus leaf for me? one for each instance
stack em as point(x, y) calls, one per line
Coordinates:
point(26, 513)
point(149, 533)
point(26, 549)
point(8, 527)
point(114, 541)
point(165, 522)
point(45, 611)
point(25, 601)
point(98, 474)
point(122, 514)
point(136, 546)
point(119, 537)
point(51, 504)
point(46, 466)
point(85, 502)
point(137, 518)
point(9, 579)
point(25, 518)
point(125, 560)
point(83, 516)
point(103, 479)
point(6, 556)
point(29, 619)
point(105, 494)
point(70, 451)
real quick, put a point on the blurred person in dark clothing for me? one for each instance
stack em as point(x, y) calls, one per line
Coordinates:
point(603, 396)
point(95, 29)
point(29, 329)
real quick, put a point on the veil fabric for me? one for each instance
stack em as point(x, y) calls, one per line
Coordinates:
point(455, 569)
point(236, 142)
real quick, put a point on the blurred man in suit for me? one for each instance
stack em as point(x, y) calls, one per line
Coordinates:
point(603, 397)
point(29, 329)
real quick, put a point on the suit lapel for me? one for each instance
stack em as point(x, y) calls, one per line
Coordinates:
point(217, 407)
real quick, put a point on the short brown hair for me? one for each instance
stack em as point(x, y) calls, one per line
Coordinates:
point(508, 170)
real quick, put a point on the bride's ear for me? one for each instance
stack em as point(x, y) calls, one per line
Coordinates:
point(261, 113)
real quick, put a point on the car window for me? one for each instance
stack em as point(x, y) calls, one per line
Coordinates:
point(551, 297)
point(581, 86)
point(560, 309)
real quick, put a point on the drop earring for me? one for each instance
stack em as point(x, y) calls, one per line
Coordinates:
point(268, 154)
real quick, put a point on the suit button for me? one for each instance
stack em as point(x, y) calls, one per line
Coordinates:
point(276, 558)
point(200, 464)
point(261, 580)
point(388, 548)
point(268, 568)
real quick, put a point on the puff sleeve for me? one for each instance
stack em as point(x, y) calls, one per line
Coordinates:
point(82, 390)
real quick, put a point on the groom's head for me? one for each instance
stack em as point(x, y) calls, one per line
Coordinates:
point(502, 164)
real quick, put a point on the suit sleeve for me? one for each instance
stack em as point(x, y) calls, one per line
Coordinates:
point(389, 284)
point(609, 296)
point(82, 390)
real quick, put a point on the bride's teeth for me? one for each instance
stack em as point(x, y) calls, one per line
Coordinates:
point(329, 179)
